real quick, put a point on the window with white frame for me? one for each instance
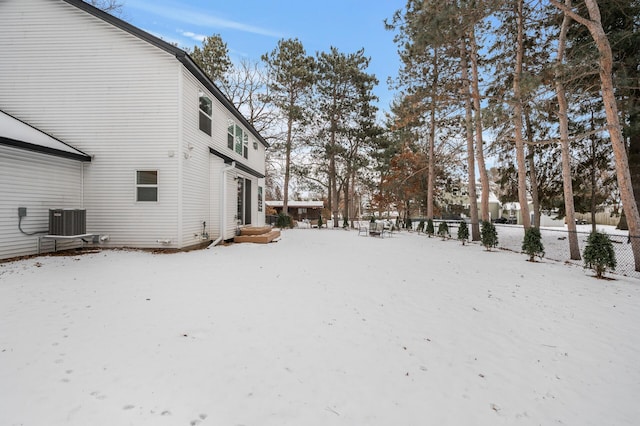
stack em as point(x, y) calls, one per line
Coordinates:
point(237, 139)
point(230, 134)
point(245, 145)
point(238, 147)
point(146, 185)
point(206, 110)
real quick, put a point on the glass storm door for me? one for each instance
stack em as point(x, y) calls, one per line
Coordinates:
point(244, 201)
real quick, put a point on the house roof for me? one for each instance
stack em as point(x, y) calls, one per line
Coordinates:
point(180, 55)
point(309, 204)
point(19, 134)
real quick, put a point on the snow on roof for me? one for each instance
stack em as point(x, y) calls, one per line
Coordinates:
point(274, 203)
point(511, 206)
point(26, 136)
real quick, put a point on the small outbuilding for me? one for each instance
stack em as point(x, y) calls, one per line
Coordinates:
point(299, 210)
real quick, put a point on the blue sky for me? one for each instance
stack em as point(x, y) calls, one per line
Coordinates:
point(253, 27)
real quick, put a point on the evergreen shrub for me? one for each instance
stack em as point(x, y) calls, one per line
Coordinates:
point(284, 221)
point(599, 254)
point(430, 229)
point(532, 243)
point(443, 230)
point(463, 232)
point(489, 235)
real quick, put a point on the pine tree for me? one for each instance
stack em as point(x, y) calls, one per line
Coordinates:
point(213, 58)
point(532, 243)
point(489, 235)
point(420, 227)
point(599, 254)
point(463, 232)
point(290, 87)
point(443, 230)
point(320, 222)
point(409, 225)
point(430, 229)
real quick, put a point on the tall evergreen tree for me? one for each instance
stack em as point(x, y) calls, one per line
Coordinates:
point(342, 85)
point(291, 77)
point(213, 58)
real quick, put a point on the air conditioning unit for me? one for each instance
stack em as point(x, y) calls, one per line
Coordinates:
point(67, 221)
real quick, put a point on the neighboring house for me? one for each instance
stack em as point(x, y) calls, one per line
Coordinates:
point(299, 210)
point(160, 157)
point(459, 196)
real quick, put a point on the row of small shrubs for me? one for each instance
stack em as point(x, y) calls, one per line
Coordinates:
point(598, 253)
point(443, 229)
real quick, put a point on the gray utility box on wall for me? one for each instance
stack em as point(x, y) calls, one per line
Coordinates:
point(67, 221)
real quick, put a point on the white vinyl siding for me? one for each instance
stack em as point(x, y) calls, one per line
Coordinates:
point(38, 182)
point(106, 93)
point(130, 105)
point(195, 165)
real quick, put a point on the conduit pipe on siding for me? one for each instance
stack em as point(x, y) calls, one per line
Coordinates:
point(223, 203)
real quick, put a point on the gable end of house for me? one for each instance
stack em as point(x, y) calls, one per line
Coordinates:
point(178, 53)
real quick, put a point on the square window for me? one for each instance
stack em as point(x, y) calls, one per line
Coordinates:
point(147, 185)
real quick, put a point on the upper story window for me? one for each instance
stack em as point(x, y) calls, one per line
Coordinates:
point(147, 185)
point(245, 145)
point(237, 139)
point(206, 110)
point(230, 134)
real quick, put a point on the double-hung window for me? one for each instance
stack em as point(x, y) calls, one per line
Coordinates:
point(206, 110)
point(147, 185)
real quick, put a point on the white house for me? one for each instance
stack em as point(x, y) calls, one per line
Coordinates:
point(115, 121)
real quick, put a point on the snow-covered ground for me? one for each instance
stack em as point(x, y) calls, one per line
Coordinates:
point(324, 327)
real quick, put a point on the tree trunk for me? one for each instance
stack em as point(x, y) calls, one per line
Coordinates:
point(471, 172)
point(594, 171)
point(346, 200)
point(335, 196)
point(533, 175)
point(615, 131)
point(287, 167)
point(533, 180)
point(517, 121)
point(475, 90)
point(574, 248)
point(432, 136)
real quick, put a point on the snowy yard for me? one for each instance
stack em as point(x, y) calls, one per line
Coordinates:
point(323, 327)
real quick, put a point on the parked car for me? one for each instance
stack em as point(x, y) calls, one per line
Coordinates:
point(512, 221)
point(581, 222)
point(500, 220)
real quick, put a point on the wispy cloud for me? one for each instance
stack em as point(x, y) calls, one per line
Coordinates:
point(181, 13)
point(170, 40)
point(192, 35)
